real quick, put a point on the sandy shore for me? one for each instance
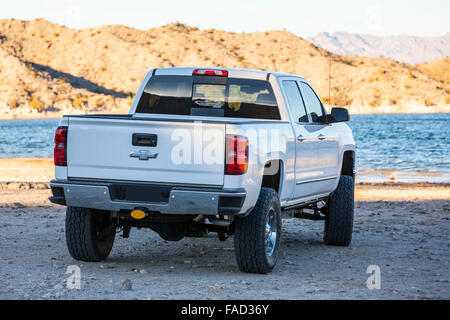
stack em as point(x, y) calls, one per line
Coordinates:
point(24, 169)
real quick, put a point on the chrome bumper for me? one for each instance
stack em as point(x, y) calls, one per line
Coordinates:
point(180, 200)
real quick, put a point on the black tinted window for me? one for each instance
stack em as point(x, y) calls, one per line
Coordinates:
point(313, 104)
point(236, 98)
point(295, 101)
point(249, 98)
point(166, 95)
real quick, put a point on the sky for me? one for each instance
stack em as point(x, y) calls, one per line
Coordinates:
point(303, 18)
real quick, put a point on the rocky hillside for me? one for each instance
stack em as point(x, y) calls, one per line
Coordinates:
point(410, 49)
point(47, 69)
point(438, 70)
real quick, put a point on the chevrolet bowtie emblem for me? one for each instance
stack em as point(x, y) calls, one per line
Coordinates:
point(144, 155)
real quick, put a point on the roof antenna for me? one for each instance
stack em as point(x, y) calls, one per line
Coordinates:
point(329, 82)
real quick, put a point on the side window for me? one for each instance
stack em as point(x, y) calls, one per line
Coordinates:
point(295, 101)
point(313, 104)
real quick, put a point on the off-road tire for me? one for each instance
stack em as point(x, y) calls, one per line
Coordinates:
point(250, 235)
point(339, 219)
point(89, 233)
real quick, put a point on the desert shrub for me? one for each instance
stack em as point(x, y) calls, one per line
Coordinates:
point(428, 102)
point(78, 103)
point(221, 39)
point(373, 103)
point(411, 75)
point(194, 41)
point(275, 40)
point(129, 101)
point(206, 58)
point(56, 34)
point(235, 47)
point(240, 58)
point(407, 86)
point(13, 103)
point(258, 44)
point(325, 100)
point(36, 104)
point(98, 103)
point(341, 101)
point(392, 102)
point(105, 46)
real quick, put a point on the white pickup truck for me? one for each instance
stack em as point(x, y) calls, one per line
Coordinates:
point(207, 150)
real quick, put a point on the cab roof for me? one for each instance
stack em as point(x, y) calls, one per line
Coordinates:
point(232, 72)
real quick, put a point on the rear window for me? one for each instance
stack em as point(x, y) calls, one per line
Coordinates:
point(209, 96)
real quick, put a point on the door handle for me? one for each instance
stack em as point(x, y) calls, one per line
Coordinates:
point(144, 139)
point(300, 138)
point(321, 137)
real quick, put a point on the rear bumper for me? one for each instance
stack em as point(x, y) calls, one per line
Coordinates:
point(112, 196)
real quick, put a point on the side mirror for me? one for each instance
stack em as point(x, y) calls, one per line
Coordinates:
point(339, 115)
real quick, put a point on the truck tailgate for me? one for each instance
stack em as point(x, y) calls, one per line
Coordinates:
point(103, 148)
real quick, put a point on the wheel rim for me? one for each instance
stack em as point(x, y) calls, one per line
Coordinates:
point(271, 232)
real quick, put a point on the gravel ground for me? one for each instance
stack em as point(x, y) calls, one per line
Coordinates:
point(408, 240)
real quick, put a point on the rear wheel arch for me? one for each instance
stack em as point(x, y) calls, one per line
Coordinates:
point(272, 177)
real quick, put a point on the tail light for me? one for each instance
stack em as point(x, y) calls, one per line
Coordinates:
point(210, 72)
point(60, 151)
point(236, 158)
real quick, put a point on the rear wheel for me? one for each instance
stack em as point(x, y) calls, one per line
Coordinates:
point(339, 220)
point(89, 233)
point(257, 236)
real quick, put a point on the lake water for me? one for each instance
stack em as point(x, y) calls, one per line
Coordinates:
point(415, 146)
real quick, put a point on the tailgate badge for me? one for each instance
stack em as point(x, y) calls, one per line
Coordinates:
point(144, 155)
